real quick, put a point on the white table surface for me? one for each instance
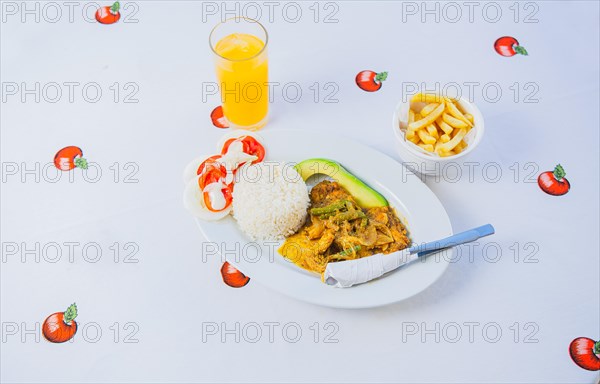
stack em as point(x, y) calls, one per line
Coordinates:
point(171, 297)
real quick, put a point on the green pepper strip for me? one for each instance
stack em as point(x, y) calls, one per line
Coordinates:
point(348, 251)
point(347, 216)
point(328, 208)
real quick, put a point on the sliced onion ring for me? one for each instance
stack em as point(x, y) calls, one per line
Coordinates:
point(190, 171)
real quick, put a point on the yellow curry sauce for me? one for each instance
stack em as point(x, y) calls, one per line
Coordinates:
point(338, 229)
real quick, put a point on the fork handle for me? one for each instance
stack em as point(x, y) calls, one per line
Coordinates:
point(454, 240)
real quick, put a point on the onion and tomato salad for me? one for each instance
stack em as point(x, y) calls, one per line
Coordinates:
point(210, 180)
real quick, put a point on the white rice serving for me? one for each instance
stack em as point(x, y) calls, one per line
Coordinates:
point(270, 200)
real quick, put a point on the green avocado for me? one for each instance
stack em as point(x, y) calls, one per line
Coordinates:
point(365, 196)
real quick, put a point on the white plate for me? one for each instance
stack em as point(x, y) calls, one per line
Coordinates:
point(421, 211)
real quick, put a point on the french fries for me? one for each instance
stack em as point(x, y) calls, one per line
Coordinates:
point(427, 98)
point(427, 147)
point(432, 130)
point(425, 121)
point(456, 113)
point(460, 146)
point(446, 154)
point(454, 122)
point(425, 137)
point(447, 147)
point(412, 136)
point(445, 127)
point(414, 139)
point(428, 109)
point(438, 124)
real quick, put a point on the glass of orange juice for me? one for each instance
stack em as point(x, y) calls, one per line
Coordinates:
point(240, 47)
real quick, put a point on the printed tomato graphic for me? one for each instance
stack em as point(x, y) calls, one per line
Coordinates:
point(554, 183)
point(69, 158)
point(233, 277)
point(370, 81)
point(108, 15)
point(60, 326)
point(218, 119)
point(509, 46)
point(585, 353)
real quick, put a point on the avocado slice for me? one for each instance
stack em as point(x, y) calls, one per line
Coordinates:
point(365, 196)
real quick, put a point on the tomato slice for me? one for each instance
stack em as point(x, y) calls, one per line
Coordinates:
point(255, 148)
point(211, 174)
point(210, 160)
point(214, 173)
point(228, 143)
point(226, 194)
point(250, 146)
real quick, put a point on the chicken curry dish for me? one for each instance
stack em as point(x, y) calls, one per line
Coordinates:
point(337, 229)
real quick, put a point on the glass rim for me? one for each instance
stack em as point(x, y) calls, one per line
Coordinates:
point(238, 18)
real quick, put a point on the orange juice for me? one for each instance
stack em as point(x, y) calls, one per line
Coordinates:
point(242, 73)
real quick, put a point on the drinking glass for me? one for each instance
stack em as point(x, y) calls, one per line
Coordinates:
point(240, 50)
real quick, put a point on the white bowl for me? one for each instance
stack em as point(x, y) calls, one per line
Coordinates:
point(426, 163)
